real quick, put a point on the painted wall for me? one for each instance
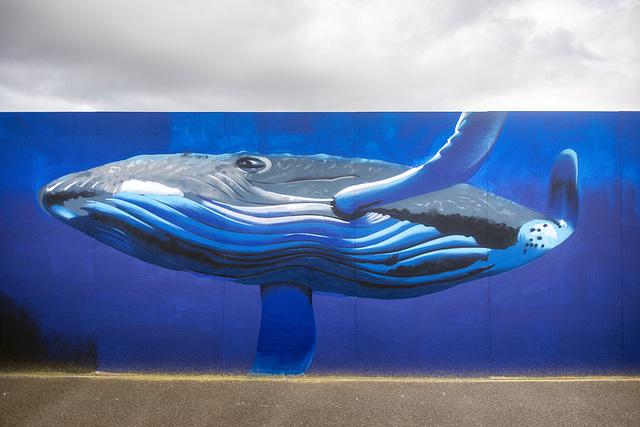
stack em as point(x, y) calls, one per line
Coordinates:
point(68, 300)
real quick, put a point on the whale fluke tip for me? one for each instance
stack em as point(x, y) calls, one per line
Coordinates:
point(564, 199)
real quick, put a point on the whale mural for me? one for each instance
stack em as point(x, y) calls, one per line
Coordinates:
point(295, 225)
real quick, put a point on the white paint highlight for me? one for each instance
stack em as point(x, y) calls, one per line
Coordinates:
point(149, 187)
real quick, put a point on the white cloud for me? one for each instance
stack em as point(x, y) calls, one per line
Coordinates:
point(293, 55)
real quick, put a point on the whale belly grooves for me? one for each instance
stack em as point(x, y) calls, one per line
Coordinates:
point(414, 246)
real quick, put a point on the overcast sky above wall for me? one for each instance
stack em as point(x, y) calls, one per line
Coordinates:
point(324, 55)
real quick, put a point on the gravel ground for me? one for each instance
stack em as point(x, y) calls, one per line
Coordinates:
point(68, 400)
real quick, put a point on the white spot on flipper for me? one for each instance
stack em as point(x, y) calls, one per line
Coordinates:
point(149, 187)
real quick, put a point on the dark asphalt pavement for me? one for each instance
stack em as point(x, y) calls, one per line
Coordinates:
point(64, 400)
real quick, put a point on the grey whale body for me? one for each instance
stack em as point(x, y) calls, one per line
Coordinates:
point(244, 228)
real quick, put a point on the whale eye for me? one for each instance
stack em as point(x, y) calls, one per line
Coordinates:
point(251, 164)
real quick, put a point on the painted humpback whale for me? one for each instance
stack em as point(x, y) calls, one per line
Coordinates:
point(297, 224)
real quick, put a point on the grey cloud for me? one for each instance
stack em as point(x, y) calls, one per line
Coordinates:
point(304, 55)
point(562, 44)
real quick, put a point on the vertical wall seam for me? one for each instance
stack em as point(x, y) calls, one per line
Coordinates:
point(486, 186)
point(355, 233)
point(225, 351)
point(93, 363)
point(620, 184)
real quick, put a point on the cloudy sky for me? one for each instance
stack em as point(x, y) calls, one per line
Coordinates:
point(324, 55)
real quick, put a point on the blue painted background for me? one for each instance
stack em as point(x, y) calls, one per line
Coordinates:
point(575, 311)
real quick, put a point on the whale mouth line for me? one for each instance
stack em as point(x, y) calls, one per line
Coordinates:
point(49, 199)
point(299, 180)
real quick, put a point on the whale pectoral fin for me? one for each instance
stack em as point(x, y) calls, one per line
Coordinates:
point(564, 199)
point(457, 161)
point(287, 337)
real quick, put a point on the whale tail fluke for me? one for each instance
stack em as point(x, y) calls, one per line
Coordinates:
point(564, 198)
point(287, 337)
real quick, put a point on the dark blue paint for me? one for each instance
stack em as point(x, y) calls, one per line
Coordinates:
point(630, 230)
point(576, 312)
